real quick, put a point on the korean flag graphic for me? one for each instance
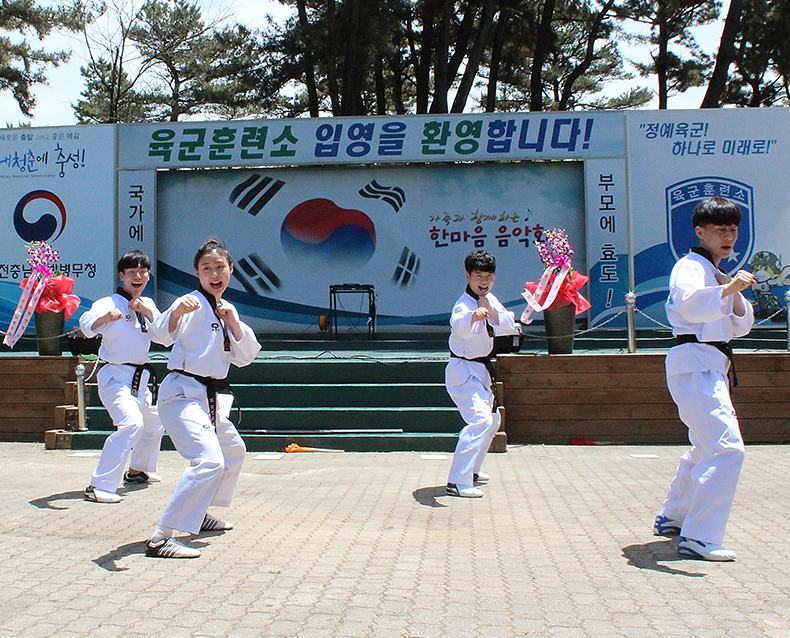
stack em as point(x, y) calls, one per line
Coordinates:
point(682, 198)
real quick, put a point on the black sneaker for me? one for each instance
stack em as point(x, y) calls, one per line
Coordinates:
point(170, 548)
point(140, 477)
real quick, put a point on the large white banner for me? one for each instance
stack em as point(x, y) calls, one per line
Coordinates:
point(57, 185)
point(338, 140)
point(678, 158)
point(404, 230)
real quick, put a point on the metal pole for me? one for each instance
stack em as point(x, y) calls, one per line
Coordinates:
point(80, 372)
point(787, 304)
point(630, 308)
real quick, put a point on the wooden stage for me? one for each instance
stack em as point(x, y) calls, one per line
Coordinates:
point(623, 398)
point(549, 399)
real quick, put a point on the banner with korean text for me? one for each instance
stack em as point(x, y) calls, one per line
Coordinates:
point(57, 185)
point(405, 230)
point(345, 140)
point(678, 158)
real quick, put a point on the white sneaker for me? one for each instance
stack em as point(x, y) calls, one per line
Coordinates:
point(464, 491)
point(101, 496)
point(170, 548)
point(482, 477)
point(704, 551)
point(212, 524)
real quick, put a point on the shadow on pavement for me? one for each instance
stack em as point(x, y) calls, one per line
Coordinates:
point(47, 502)
point(427, 495)
point(651, 555)
point(109, 561)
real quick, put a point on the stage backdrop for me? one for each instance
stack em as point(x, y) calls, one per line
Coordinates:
point(405, 230)
point(676, 159)
point(57, 185)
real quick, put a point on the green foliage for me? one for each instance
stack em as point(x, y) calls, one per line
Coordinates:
point(670, 23)
point(762, 57)
point(108, 99)
point(183, 67)
point(21, 65)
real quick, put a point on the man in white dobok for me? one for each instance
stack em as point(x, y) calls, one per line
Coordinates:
point(707, 309)
point(477, 316)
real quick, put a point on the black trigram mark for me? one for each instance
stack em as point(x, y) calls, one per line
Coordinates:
point(262, 188)
point(252, 270)
point(393, 195)
point(407, 270)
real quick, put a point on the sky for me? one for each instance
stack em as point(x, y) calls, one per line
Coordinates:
point(54, 101)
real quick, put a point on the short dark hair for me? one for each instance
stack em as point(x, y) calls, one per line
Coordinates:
point(718, 211)
point(480, 260)
point(134, 259)
point(211, 246)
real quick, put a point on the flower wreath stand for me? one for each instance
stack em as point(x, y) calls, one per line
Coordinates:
point(556, 295)
point(48, 298)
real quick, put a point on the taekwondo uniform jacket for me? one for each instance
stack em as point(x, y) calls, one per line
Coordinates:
point(695, 306)
point(471, 340)
point(123, 341)
point(199, 342)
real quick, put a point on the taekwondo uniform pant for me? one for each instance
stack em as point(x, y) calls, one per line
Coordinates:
point(215, 455)
point(469, 385)
point(701, 494)
point(139, 430)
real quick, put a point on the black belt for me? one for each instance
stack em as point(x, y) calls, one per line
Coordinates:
point(139, 368)
point(721, 346)
point(213, 388)
point(489, 364)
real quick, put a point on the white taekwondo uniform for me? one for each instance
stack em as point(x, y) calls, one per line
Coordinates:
point(139, 429)
point(701, 494)
point(469, 382)
point(215, 451)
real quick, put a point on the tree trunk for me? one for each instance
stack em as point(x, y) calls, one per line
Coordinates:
point(397, 83)
point(309, 69)
point(475, 55)
point(725, 57)
point(441, 71)
point(542, 47)
point(422, 62)
point(381, 92)
point(661, 60)
point(461, 44)
point(331, 74)
point(354, 59)
point(589, 57)
point(496, 59)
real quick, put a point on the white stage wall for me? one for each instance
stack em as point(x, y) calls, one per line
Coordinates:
point(396, 202)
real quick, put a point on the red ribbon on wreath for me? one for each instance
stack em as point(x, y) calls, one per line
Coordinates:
point(57, 296)
point(567, 294)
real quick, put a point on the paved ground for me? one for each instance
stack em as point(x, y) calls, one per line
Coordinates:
point(366, 545)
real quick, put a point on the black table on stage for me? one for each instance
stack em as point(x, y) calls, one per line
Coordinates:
point(362, 289)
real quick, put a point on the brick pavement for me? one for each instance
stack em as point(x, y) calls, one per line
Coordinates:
point(366, 545)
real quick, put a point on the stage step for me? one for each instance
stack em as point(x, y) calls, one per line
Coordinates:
point(356, 442)
point(365, 402)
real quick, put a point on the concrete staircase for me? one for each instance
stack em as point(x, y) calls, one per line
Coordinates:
point(387, 399)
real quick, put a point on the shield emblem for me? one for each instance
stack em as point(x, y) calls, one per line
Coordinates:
point(682, 198)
